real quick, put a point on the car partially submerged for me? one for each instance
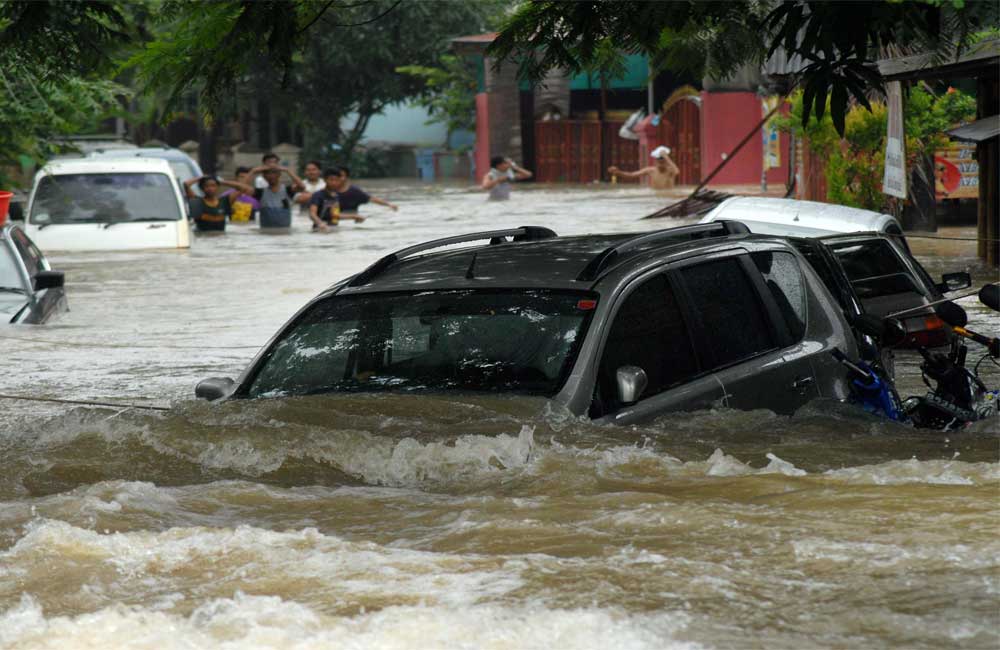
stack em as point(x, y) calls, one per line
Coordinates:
point(85, 204)
point(30, 291)
point(618, 328)
point(791, 218)
point(872, 249)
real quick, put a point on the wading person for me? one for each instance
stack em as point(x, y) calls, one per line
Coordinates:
point(243, 204)
point(503, 172)
point(276, 198)
point(209, 212)
point(351, 197)
point(267, 160)
point(324, 208)
point(313, 183)
point(662, 175)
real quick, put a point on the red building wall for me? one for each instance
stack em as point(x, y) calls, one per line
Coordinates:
point(726, 118)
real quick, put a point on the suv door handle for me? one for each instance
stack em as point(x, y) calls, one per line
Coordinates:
point(802, 383)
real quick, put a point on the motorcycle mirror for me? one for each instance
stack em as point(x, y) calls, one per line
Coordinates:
point(989, 295)
point(952, 314)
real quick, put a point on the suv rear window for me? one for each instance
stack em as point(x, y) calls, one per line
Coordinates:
point(732, 317)
point(784, 280)
point(873, 268)
point(521, 341)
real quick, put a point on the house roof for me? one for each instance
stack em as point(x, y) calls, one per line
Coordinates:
point(981, 59)
point(474, 43)
point(984, 129)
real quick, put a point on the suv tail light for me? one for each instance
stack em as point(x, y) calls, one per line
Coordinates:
point(927, 331)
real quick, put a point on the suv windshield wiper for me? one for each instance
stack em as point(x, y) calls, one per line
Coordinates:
point(12, 290)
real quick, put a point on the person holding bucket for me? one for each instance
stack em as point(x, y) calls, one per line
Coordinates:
point(276, 199)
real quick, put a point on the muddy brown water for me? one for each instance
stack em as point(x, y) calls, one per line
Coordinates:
point(434, 522)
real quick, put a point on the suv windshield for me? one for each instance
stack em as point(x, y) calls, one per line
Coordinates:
point(521, 341)
point(104, 198)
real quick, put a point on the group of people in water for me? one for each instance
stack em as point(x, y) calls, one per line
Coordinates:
point(327, 196)
point(324, 196)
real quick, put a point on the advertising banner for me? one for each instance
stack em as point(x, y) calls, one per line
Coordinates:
point(772, 137)
point(894, 181)
point(956, 173)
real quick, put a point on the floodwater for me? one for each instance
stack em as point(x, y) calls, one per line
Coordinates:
point(434, 522)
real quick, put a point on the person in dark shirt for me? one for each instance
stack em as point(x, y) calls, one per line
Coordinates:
point(210, 211)
point(352, 197)
point(324, 206)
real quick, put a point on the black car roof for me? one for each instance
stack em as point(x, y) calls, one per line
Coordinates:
point(543, 261)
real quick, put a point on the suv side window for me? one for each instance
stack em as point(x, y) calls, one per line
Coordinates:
point(784, 280)
point(649, 332)
point(732, 319)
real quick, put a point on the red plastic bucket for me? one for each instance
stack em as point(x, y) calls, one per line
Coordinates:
point(4, 205)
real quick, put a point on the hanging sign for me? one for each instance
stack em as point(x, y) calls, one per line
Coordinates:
point(772, 137)
point(894, 181)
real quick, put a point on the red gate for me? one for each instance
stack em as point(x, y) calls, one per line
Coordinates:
point(680, 129)
point(569, 151)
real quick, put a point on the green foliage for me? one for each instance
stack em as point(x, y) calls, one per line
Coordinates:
point(449, 91)
point(855, 163)
point(353, 72)
point(838, 41)
point(35, 114)
point(55, 39)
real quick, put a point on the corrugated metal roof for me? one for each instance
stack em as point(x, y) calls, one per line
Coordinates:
point(981, 58)
point(984, 129)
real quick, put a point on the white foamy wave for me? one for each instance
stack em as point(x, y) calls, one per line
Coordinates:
point(410, 462)
point(180, 559)
point(934, 472)
point(262, 622)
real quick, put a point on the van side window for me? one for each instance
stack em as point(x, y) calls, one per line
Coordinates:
point(648, 332)
point(784, 280)
point(730, 313)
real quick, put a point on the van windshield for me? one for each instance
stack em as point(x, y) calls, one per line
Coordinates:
point(104, 198)
point(517, 341)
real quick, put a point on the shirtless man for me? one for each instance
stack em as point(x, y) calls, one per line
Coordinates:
point(662, 175)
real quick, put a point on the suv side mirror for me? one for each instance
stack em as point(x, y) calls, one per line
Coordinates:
point(49, 280)
point(955, 281)
point(214, 388)
point(631, 382)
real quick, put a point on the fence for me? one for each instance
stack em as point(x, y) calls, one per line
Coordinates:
point(569, 151)
point(680, 129)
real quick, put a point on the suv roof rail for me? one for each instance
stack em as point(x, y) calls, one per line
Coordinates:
point(524, 233)
point(680, 234)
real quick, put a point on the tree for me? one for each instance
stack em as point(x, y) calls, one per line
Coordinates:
point(837, 41)
point(855, 163)
point(37, 113)
point(50, 55)
point(353, 72)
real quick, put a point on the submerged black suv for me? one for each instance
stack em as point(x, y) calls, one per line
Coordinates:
point(620, 328)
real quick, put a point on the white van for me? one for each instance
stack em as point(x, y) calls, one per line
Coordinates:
point(85, 204)
point(791, 218)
